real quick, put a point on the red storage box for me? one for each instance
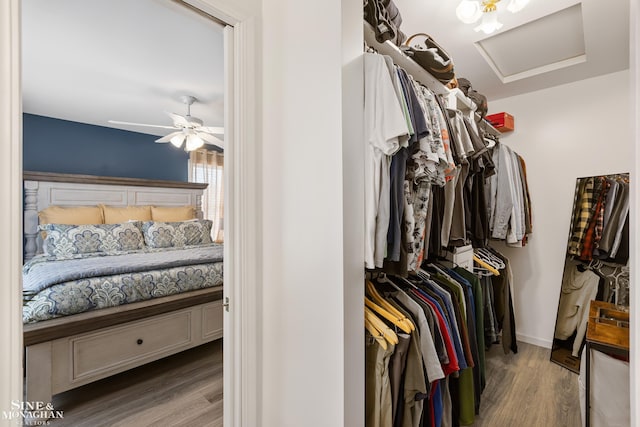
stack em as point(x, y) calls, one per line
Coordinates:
point(501, 121)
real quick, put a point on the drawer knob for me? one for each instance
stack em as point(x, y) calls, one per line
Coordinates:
point(139, 341)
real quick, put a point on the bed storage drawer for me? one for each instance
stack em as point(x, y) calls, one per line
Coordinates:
point(103, 351)
point(84, 358)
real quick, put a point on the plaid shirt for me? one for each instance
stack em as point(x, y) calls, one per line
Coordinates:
point(594, 232)
point(588, 201)
point(600, 214)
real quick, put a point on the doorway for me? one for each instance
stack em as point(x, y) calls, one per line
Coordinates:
point(241, 237)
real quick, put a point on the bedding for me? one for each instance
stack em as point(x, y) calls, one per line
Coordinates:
point(117, 214)
point(64, 240)
point(172, 213)
point(177, 234)
point(71, 215)
point(56, 286)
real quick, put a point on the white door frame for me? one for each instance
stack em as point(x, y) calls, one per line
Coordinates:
point(243, 236)
point(10, 207)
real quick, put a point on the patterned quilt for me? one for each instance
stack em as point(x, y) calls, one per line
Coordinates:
point(60, 287)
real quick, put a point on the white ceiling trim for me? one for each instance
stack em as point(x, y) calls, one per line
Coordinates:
point(532, 72)
point(546, 44)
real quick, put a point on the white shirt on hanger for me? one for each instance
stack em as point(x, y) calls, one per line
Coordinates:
point(385, 125)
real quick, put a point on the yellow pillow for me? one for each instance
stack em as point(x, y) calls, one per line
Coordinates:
point(72, 215)
point(168, 214)
point(120, 214)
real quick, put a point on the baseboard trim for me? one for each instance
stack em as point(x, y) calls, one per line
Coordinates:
point(534, 340)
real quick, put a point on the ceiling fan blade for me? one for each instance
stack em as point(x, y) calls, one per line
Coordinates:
point(115, 122)
point(178, 120)
point(210, 139)
point(168, 137)
point(212, 129)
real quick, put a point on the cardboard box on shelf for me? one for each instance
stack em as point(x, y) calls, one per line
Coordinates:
point(501, 121)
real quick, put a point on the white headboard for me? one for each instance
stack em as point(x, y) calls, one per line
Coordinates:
point(43, 189)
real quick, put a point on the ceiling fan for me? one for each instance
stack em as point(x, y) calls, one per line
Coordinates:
point(189, 129)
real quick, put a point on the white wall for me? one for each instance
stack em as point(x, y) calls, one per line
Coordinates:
point(304, 310)
point(353, 211)
point(565, 132)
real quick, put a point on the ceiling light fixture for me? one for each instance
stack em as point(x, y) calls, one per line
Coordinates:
point(470, 11)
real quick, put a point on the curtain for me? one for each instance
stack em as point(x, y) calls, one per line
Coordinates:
point(206, 167)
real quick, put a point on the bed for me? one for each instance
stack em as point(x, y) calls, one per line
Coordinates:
point(106, 294)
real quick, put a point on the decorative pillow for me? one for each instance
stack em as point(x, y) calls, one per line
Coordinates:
point(172, 213)
point(71, 215)
point(177, 234)
point(120, 214)
point(65, 240)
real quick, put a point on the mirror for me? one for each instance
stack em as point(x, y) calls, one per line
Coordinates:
point(596, 263)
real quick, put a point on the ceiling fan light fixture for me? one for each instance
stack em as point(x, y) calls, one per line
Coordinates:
point(193, 142)
point(489, 23)
point(177, 140)
point(187, 128)
point(469, 11)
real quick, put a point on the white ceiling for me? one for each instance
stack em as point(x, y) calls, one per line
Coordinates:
point(97, 60)
point(538, 39)
point(606, 40)
point(130, 60)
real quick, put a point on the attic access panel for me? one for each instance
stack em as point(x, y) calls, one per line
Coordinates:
point(546, 44)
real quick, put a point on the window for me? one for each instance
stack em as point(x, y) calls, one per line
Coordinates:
point(206, 166)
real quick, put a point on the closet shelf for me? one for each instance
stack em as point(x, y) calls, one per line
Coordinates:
point(487, 127)
point(455, 98)
point(402, 60)
point(460, 101)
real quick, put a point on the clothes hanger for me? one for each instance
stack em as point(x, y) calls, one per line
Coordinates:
point(379, 299)
point(369, 49)
point(437, 268)
point(387, 315)
point(490, 142)
point(483, 264)
point(482, 272)
point(493, 257)
point(407, 282)
point(375, 333)
point(424, 274)
point(490, 258)
point(386, 331)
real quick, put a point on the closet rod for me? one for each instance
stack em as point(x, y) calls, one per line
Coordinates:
point(402, 60)
point(487, 127)
point(455, 98)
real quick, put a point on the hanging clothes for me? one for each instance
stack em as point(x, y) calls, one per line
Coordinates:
point(508, 201)
point(599, 218)
point(578, 288)
point(433, 182)
point(385, 129)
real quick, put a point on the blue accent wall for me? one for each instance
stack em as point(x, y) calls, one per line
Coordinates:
point(53, 145)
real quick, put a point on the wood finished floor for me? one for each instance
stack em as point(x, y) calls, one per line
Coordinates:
point(182, 390)
point(524, 390)
point(528, 390)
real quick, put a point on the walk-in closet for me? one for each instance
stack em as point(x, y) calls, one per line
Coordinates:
point(490, 251)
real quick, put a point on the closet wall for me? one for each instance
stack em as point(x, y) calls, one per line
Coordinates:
point(312, 226)
point(565, 132)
